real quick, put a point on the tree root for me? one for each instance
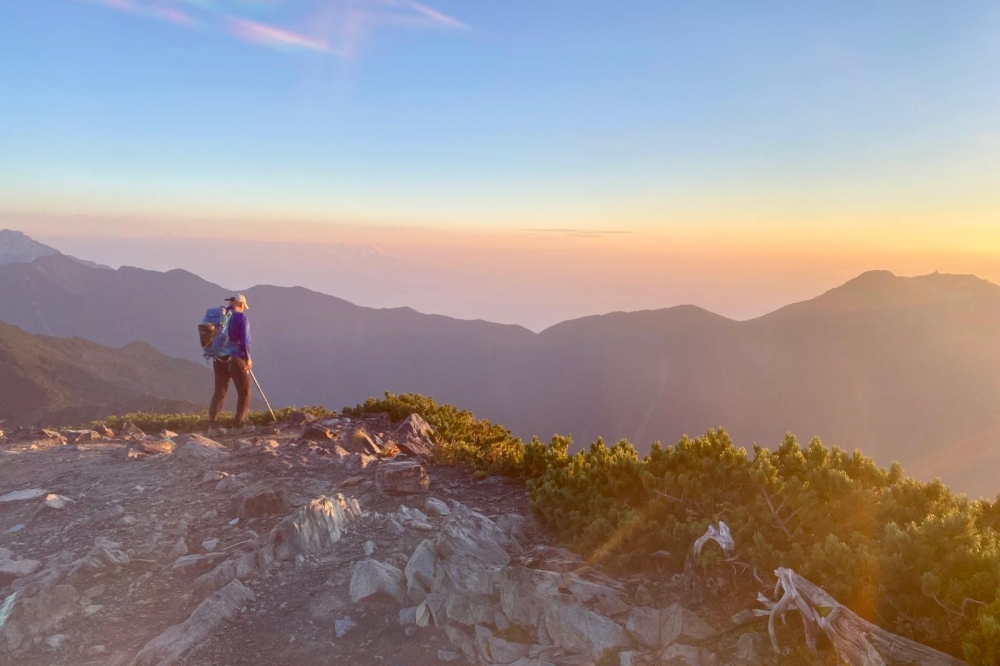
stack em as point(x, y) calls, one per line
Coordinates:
point(857, 641)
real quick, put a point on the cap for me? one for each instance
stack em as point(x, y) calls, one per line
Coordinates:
point(238, 298)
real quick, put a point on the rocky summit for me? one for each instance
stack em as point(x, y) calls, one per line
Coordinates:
point(135, 549)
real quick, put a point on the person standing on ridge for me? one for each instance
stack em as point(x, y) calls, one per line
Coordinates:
point(235, 366)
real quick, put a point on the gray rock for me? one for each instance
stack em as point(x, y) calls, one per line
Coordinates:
point(169, 646)
point(678, 625)
point(643, 624)
point(315, 432)
point(209, 544)
point(149, 446)
point(420, 571)
point(402, 478)
point(643, 597)
point(507, 652)
point(372, 580)
point(197, 449)
point(436, 507)
point(572, 626)
point(11, 570)
point(260, 500)
point(55, 502)
point(230, 483)
point(179, 549)
point(369, 548)
point(423, 616)
point(56, 641)
point(683, 655)
point(344, 625)
point(749, 648)
point(130, 432)
point(83, 436)
point(315, 527)
point(21, 495)
point(408, 616)
point(469, 534)
point(602, 598)
point(414, 436)
point(105, 554)
point(469, 609)
point(525, 592)
point(35, 610)
point(447, 655)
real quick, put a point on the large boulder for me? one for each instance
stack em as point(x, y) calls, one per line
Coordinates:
point(402, 478)
point(259, 500)
point(414, 436)
point(466, 533)
point(570, 625)
point(35, 610)
point(314, 527)
point(680, 625)
point(372, 580)
point(170, 646)
point(420, 571)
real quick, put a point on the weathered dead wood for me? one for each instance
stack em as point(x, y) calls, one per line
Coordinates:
point(857, 641)
point(719, 535)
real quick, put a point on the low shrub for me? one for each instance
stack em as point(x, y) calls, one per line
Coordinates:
point(152, 422)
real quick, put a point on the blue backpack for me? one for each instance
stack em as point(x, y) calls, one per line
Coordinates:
point(213, 333)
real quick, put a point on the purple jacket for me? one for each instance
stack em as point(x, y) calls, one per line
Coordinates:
point(239, 335)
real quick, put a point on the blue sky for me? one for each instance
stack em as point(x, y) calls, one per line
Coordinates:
point(495, 113)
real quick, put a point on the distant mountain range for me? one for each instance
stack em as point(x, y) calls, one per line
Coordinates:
point(16, 247)
point(68, 381)
point(906, 369)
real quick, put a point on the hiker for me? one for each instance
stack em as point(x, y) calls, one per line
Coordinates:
point(234, 365)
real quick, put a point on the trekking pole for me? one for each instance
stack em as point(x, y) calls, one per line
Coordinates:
point(273, 417)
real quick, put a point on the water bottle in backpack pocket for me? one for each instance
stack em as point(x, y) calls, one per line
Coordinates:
point(213, 333)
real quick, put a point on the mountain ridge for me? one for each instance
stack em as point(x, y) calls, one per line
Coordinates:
point(903, 368)
point(51, 380)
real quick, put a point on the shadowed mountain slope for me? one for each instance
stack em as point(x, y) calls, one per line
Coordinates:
point(61, 381)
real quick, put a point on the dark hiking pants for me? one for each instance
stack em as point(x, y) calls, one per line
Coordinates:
point(235, 369)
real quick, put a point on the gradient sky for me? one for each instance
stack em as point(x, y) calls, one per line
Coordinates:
point(769, 145)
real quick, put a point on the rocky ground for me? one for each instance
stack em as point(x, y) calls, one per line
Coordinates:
point(311, 543)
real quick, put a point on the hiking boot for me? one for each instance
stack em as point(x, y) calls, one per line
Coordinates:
point(243, 430)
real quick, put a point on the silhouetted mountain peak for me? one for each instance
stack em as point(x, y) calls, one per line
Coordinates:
point(17, 247)
point(883, 291)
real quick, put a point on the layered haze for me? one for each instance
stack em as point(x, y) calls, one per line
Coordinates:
point(535, 278)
